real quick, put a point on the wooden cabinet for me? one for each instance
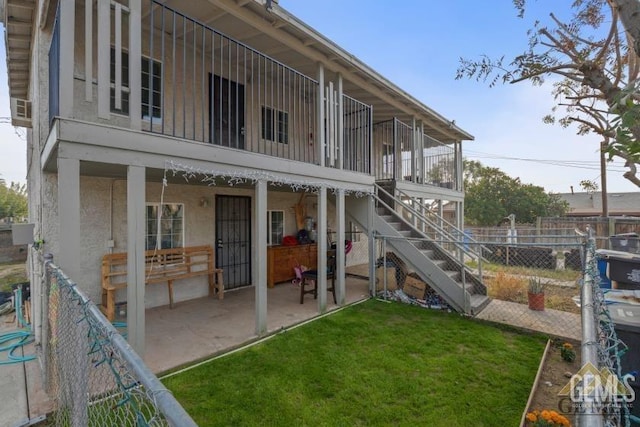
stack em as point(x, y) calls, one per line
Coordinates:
point(282, 259)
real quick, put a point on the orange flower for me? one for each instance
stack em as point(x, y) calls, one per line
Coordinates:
point(531, 417)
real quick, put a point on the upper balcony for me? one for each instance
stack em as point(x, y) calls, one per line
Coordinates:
point(237, 75)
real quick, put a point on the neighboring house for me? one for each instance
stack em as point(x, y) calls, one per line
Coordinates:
point(135, 108)
point(590, 204)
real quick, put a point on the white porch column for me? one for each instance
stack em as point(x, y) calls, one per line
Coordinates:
point(420, 154)
point(68, 257)
point(414, 150)
point(322, 250)
point(340, 255)
point(135, 65)
point(260, 256)
point(372, 246)
point(136, 199)
point(321, 130)
point(67, 38)
point(340, 164)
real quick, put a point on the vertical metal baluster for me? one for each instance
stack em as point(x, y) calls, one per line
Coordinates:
point(194, 78)
point(228, 92)
point(184, 72)
point(173, 73)
point(253, 139)
point(202, 81)
point(162, 70)
point(221, 94)
point(243, 129)
point(237, 98)
point(212, 90)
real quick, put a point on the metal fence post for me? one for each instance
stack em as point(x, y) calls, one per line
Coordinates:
point(46, 260)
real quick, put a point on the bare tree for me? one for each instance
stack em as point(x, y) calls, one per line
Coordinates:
point(595, 55)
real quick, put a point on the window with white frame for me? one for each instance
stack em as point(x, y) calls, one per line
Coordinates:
point(275, 227)
point(275, 125)
point(170, 233)
point(151, 83)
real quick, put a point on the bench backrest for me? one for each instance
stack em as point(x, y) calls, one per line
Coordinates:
point(160, 265)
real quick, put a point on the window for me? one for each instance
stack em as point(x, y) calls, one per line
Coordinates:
point(171, 226)
point(275, 227)
point(151, 82)
point(275, 125)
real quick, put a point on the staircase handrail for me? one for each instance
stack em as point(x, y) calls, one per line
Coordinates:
point(443, 233)
point(475, 242)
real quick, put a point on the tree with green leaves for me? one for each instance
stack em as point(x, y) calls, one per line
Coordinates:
point(594, 59)
point(491, 195)
point(13, 200)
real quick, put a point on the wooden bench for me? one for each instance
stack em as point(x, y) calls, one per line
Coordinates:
point(161, 266)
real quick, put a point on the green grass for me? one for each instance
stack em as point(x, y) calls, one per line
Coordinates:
point(371, 364)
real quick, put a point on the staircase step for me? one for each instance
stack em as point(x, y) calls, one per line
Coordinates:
point(478, 303)
point(440, 263)
point(429, 253)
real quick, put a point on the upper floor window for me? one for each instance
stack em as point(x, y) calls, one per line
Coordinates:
point(151, 82)
point(275, 125)
point(171, 230)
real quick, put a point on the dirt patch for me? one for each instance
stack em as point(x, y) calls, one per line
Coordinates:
point(555, 375)
point(557, 295)
point(12, 273)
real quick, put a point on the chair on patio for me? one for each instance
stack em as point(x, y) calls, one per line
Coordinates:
point(310, 278)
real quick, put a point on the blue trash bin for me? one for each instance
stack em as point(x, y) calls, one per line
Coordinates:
point(605, 282)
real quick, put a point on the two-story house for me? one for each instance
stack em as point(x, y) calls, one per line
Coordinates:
point(167, 123)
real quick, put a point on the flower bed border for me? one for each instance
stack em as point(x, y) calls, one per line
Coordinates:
point(535, 383)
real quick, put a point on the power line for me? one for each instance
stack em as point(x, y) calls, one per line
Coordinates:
point(577, 164)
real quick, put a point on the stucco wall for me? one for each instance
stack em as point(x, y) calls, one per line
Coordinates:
point(103, 218)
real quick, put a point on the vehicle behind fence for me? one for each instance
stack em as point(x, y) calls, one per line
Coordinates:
point(92, 374)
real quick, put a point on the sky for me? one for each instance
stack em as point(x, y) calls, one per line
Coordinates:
point(417, 45)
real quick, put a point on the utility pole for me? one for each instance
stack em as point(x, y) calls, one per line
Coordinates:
point(603, 178)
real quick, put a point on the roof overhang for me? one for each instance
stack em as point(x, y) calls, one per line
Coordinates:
point(18, 17)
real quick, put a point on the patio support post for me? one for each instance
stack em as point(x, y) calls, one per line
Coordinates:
point(136, 199)
point(372, 246)
point(340, 254)
point(322, 250)
point(321, 111)
point(69, 217)
point(260, 257)
point(67, 38)
point(414, 149)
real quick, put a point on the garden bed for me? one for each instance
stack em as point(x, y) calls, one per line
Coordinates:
point(553, 376)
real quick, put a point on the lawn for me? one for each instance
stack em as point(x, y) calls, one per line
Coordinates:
point(370, 364)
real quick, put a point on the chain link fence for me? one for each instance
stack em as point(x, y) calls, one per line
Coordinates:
point(532, 285)
point(92, 375)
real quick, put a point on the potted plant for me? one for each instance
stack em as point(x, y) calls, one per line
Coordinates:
point(535, 294)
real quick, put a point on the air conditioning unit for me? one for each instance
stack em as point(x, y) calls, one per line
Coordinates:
point(20, 112)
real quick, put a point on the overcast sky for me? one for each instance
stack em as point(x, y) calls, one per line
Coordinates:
point(417, 45)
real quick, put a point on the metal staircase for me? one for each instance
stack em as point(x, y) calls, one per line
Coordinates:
point(432, 247)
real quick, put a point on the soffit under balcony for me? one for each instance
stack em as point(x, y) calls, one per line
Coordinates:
point(18, 22)
point(280, 35)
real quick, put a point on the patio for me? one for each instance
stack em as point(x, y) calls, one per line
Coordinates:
point(196, 329)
